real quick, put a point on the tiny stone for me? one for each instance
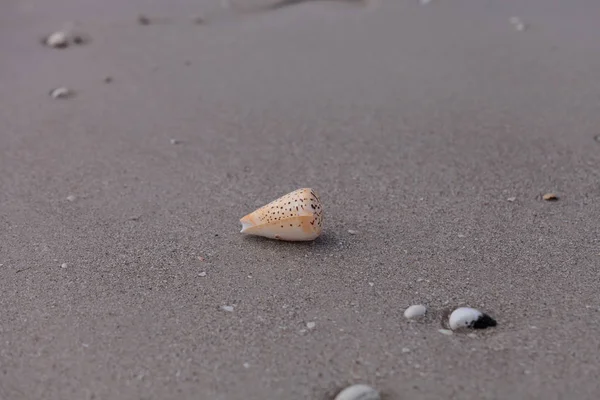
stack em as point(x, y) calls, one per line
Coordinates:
point(108, 79)
point(352, 232)
point(60, 93)
point(371, 284)
point(461, 235)
point(174, 141)
point(246, 365)
point(550, 197)
point(71, 197)
point(405, 350)
point(202, 273)
point(58, 40)
point(311, 325)
point(64, 265)
point(445, 332)
point(415, 311)
point(472, 335)
point(227, 308)
point(511, 199)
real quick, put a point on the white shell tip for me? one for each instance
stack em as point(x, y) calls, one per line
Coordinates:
point(415, 311)
point(465, 317)
point(358, 392)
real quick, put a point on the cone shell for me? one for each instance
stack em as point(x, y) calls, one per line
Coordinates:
point(297, 216)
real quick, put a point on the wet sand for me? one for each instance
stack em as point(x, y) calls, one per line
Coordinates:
point(415, 123)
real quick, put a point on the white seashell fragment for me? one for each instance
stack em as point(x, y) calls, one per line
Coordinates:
point(445, 332)
point(415, 311)
point(311, 325)
point(60, 93)
point(297, 216)
point(227, 308)
point(465, 317)
point(358, 392)
point(58, 40)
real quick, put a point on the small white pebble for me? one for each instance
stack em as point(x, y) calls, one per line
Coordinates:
point(415, 311)
point(250, 276)
point(472, 335)
point(227, 308)
point(461, 235)
point(71, 198)
point(64, 265)
point(352, 232)
point(85, 345)
point(358, 392)
point(405, 350)
point(311, 325)
point(58, 40)
point(60, 93)
point(246, 365)
point(371, 284)
point(511, 199)
point(445, 331)
point(202, 273)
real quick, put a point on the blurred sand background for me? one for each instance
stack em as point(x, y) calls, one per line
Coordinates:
point(415, 123)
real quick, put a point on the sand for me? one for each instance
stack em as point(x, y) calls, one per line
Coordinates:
point(415, 123)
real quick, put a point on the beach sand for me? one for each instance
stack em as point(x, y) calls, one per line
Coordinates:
point(415, 124)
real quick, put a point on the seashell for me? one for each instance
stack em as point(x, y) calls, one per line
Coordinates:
point(61, 93)
point(297, 216)
point(58, 40)
point(358, 392)
point(415, 311)
point(465, 317)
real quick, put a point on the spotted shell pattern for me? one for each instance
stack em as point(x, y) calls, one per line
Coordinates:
point(297, 216)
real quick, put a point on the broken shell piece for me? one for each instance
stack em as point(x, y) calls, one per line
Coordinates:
point(61, 93)
point(297, 216)
point(550, 197)
point(415, 311)
point(358, 392)
point(58, 40)
point(465, 317)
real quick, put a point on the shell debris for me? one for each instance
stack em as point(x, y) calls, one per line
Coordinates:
point(296, 216)
point(415, 311)
point(57, 40)
point(358, 392)
point(550, 197)
point(61, 93)
point(465, 317)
